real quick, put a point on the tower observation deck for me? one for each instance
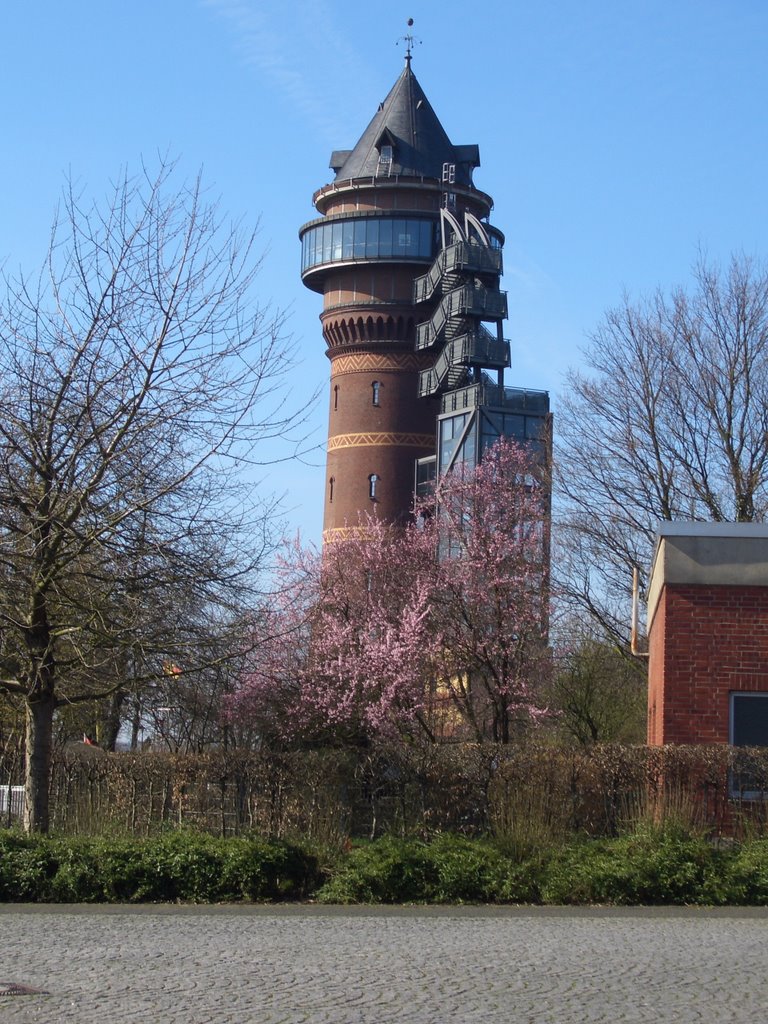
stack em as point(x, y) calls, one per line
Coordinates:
point(409, 267)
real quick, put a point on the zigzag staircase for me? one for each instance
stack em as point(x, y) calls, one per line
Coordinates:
point(465, 279)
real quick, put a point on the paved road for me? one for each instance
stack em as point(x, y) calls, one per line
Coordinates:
point(237, 965)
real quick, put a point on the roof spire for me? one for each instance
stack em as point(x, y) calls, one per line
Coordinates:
point(409, 41)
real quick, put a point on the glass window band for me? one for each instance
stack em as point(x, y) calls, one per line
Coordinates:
point(368, 238)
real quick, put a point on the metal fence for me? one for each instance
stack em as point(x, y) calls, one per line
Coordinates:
point(11, 803)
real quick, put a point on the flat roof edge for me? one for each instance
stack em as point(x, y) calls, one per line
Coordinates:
point(693, 529)
point(709, 554)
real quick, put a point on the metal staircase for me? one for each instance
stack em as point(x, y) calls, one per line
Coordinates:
point(461, 257)
point(480, 349)
point(464, 283)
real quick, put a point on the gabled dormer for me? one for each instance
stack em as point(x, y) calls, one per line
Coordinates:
point(386, 145)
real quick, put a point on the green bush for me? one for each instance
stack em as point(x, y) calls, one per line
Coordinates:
point(27, 866)
point(260, 869)
point(479, 871)
point(653, 865)
point(449, 869)
point(748, 874)
point(79, 876)
point(664, 866)
point(179, 866)
point(389, 870)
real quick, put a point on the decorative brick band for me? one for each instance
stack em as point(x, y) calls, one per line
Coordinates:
point(340, 533)
point(372, 363)
point(380, 440)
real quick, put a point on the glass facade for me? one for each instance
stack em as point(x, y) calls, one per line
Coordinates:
point(425, 476)
point(460, 444)
point(368, 238)
point(454, 445)
point(504, 424)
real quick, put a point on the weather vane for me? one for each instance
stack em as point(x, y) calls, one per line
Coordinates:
point(409, 41)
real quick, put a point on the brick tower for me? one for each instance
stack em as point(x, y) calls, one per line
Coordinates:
point(409, 270)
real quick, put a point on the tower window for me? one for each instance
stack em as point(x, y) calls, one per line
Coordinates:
point(373, 481)
point(376, 390)
point(385, 160)
point(335, 396)
point(449, 173)
point(331, 487)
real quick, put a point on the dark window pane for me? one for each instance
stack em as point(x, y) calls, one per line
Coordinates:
point(336, 241)
point(425, 238)
point(385, 238)
point(514, 426)
point(402, 239)
point(327, 240)
point(533, 427)
point(412, 230)
point(347, 239)
point(359, 239)
point(749, 720)
point(372, 239)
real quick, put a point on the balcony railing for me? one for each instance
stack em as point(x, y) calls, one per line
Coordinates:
point(479, 348)
point(468, 300)
point(467, 256)
point(491, 396)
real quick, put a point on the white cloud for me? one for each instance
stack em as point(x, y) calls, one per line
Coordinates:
point(302, 50)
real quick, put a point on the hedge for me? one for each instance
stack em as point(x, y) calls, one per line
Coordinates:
point(667, 865)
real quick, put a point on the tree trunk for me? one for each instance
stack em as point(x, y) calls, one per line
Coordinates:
point(136, 722)
point(37, 775)
point(111, 720)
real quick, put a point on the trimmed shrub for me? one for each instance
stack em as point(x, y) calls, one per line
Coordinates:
point(449, 869)
point(27, 865)
point(661, 865)
point(653, 867)
point(179, 866)
point(748, 874)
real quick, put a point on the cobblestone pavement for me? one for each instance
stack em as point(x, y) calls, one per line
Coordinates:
point(325, 965)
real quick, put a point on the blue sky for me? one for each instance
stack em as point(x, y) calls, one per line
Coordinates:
point(616, 139)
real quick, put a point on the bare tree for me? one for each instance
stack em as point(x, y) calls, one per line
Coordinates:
point(598, 693)
point(670, 421)
point(137, 378)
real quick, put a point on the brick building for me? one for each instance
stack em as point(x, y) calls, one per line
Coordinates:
point(409, 265)
point(708, 634)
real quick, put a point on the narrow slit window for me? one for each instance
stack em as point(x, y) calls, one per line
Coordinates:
point(376, 390)
point(335, 396)
point(331, 488)
point(373, 481)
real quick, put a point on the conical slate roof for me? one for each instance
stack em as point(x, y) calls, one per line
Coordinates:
point(420, 146)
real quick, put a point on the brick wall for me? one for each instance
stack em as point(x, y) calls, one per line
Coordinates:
point(705, 641)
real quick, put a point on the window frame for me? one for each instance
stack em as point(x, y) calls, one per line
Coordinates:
point(742, 791)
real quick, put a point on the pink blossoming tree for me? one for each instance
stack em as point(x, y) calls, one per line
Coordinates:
point(491, 599)
point(434, 628)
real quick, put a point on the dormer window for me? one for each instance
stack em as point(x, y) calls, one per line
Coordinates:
point(449, 173)
point(386, 155)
